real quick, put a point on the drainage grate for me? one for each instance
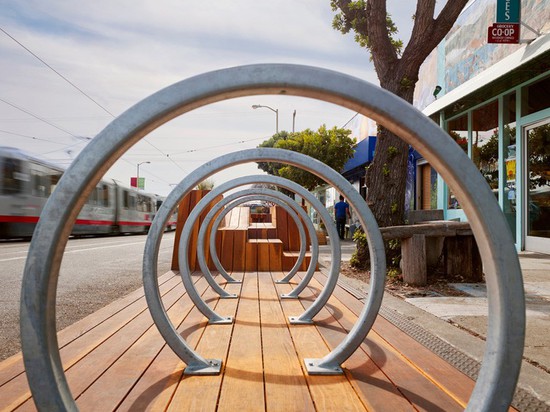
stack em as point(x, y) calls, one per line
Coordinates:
point(523, 400)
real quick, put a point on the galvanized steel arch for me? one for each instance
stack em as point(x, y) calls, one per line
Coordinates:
point(506, 330)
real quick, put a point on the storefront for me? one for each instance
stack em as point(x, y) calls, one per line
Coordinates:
point(495, 103)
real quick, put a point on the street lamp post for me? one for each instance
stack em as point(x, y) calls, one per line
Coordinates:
point(137, 178)
point(276, 111)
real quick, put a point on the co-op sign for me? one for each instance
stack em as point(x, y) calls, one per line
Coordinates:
point(506, 28)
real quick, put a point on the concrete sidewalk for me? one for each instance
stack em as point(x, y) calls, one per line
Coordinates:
point(459, 324)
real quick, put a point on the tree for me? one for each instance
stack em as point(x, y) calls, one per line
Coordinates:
point(397, 71)
point(333, 147)
point(207, 184)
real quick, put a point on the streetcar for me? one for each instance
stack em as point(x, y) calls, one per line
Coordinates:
point(26, 182)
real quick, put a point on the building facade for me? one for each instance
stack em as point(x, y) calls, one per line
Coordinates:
point(494, 101)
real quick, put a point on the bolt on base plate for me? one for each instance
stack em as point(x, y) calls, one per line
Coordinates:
point(295, 320)
point(214, 368)
point(288, 296)
point(313, 368)
point(223, 321)
point(229, 296)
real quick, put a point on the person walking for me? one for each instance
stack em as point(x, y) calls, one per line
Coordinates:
point(341, 212)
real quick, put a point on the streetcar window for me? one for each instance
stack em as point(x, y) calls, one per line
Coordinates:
point(13, 178)
point(126, 199)
point(52, 180)
point(104, 196)
point(38, 183)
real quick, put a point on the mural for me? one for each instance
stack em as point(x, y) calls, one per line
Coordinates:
point(466, 50)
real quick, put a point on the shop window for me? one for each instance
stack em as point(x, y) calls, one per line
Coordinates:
point(509, 140)
point(427, 187)
point(535, 97)
point(485, 143)
point(458, 130)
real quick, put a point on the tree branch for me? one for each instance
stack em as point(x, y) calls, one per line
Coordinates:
point(428, 32)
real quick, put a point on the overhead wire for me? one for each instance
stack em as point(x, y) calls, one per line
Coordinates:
point(78, 89)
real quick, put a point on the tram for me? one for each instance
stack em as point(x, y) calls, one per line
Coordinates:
point(26, 182)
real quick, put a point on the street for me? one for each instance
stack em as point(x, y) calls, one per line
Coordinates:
point(94, 272)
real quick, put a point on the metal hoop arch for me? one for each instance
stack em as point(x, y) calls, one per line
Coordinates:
point(245, 180)
point(213, 317)
point(293, 187)
point(506, 330)
point(294, 216)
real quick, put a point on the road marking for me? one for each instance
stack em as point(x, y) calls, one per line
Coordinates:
point(82, 250)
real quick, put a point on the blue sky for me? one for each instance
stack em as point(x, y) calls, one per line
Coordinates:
point(120, 52)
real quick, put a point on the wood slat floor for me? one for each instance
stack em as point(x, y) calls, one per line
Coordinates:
point(115, 359)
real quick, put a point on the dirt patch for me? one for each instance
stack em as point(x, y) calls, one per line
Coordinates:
point(438, 284)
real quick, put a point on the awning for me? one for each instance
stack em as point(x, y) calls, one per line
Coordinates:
point(364, 153)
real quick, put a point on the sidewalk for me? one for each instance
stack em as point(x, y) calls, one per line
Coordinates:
point(458, 325)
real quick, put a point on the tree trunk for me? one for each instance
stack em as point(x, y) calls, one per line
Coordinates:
point(386, 176)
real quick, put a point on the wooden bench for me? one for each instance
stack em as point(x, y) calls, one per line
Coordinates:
point(423, 243)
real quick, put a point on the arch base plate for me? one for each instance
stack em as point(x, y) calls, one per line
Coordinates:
point(214, 368)
point(313, 368)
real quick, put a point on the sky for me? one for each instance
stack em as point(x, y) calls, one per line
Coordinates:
point(68, 68)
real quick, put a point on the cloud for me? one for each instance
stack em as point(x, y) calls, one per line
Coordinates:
point(121, 52)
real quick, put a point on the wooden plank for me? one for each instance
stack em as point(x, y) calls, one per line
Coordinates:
point(158, 386)
point(285, 386)
point(196, 196)
point(275, 255)
point(448, 378)
point(282, 227)
point(329, 393)
point(16, 391)
point(207, 255)
point(436, 228)
point(263, 255)
point(13, 366)
point(293, 234)
point(120, 363)
point(183, 214)
point(200, 393)
point(251, 257)
point(377, 390)
point(422, 392)
point(226, 255)
point(239, 250)
point(413, 254)
point(243, 387)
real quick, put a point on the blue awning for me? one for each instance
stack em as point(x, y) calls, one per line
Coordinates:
point(364, 153)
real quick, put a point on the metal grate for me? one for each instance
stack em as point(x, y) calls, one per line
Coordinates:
point(523, 400)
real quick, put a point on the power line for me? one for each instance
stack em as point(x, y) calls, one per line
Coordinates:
point(56, 72)
point(221, 145)
point(38, 117)
point(31, 137)
point(353, 117)
point(77, 88)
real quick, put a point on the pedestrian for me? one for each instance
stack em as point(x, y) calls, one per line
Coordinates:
point(341, 212)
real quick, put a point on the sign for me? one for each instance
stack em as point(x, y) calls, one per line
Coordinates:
point(134, 182)
point(508, 11)
point(503, 33)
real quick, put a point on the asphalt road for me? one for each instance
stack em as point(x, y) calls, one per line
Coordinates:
point(94, 272)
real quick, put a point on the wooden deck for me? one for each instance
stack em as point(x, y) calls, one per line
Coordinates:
point(115, 359)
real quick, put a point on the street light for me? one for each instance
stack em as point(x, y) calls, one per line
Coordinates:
point(276, 111)
point(137, 179)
